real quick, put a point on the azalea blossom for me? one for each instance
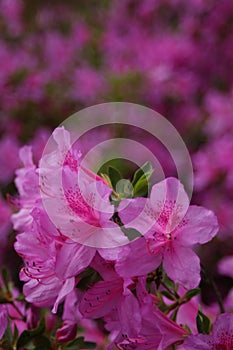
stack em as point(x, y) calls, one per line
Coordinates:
point(220, 339)
point(170, 228)
point(157, 330)
point(50, 262)
point(77, 200)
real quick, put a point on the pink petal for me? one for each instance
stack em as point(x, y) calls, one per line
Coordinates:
point(200, 342)
point(25, 154)
point(171, 332)
point(110, 236)
point(103, 267)
point(99, 300)
point(42, 293)
point(72, 259)
point(111, 253)
point(223, 330)
point(62, 138)
point(169, 201)
point(66, 332)
point(67, 287)
point(182, 265)
point(199, 226)
point(139, 261)
point(133, 214)
point(129, 315)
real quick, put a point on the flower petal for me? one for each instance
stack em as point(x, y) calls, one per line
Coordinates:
point(134, 213)
point(67, 287)
point(138, 261)
point(200, 225)
point(72, 259)
point(99, 300)
point(170, 203)
point(197, 342)
point(182, 266)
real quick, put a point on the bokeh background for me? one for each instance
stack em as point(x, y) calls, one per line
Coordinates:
point(174, 56)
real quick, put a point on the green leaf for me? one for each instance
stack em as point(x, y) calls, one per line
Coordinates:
point(141, 187)
point(141, 180)
point(146, 170)
point(192, 293)
point(8, 334)
point(174, 315)
point(168, 282)
point(131, 233)
point(29, 335)
point(124, 188)
point(42, 343)
point(114, 176)
point(79, 343)
point(203, 323)
point(168, 295)
point(20, 297)
point(199, 324)
point(15, 334)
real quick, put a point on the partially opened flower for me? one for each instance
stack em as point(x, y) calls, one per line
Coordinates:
point(170, 228)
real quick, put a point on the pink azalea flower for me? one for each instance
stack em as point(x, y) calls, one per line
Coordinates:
point(157, 330)
point(27, 183)
point(15, 313)
point(80, 195)
point(171, 227)
point(66, 332)
point(220, 339)
point(112, 299)
point(72, 317)
point(50, 262)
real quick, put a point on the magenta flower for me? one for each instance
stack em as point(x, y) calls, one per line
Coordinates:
point(76, 199)
point(157, 331)
point(171, 227)
point(50, 262)
point(220, 339)
point(112, 299)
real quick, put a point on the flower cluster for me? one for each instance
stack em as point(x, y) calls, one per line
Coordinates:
point(78, 250)
point(102, 268)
